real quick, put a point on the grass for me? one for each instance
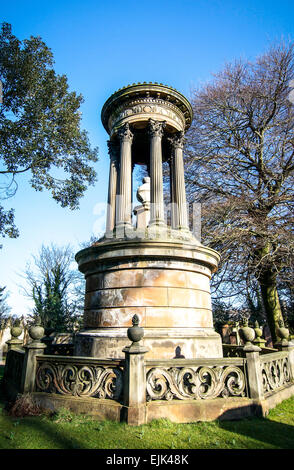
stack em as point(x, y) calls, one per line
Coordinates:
point(65, 430)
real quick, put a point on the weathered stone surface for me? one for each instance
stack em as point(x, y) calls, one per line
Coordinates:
point(165, 343)
point(168, 317)
point(101, 409)
point(157, 270)
point(203, 410)
point(170, 294)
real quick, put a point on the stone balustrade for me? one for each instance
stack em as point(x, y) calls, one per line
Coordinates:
point(137, 390)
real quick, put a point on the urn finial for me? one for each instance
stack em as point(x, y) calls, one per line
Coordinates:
point(135, 333)
point(36, 331)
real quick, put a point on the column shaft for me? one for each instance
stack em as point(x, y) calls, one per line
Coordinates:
point(180, 213)
point(112, 185)
point(173, 212)
point(156, 194)
point(124, 196)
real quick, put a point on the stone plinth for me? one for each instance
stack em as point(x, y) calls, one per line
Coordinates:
point(165, 282)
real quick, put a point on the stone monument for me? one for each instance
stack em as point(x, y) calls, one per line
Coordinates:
point(159, 272)
point(142, 212)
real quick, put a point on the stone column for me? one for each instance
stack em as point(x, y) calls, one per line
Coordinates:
point(113, 149)
point(173, 214)
point(156, 196)
point(178, 184)
point(124, 196)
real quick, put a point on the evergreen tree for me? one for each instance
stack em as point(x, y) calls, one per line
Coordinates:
point(40, 127)
point(54, 288)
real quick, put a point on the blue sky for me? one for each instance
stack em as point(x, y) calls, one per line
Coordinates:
point(102, 46)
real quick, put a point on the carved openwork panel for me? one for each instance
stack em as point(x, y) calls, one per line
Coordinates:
point(203, 382)
point(99, 381)
point(275, 370)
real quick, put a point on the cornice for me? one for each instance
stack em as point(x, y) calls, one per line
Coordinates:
point(145, 90)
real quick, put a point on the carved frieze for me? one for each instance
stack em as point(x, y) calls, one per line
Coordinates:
point(146, 108)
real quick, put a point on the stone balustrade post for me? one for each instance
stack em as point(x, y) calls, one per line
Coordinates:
point(289, 348)
point(251, 352)
point(258, 341)
point(135, 377)
point(14, 343)
point(32, 350)
point(255, 383)
point(15, 331)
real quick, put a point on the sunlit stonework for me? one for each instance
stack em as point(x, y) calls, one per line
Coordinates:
point(145, 264)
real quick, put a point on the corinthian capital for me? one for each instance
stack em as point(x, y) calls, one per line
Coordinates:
point(113, 150)
point(124, 132)
point(178, 140)
point(156, 128)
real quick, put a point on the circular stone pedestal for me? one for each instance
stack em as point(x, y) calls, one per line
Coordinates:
point(166, 283)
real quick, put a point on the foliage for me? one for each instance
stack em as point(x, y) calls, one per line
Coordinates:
point(40, 130)
point(25, 406)
point(55, 287)
point(4, 307)
point(240, 166)
point(225, 313)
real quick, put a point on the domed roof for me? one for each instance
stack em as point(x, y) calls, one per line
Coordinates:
point(151, 89)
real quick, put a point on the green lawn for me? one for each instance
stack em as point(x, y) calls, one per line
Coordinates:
point(69, 431)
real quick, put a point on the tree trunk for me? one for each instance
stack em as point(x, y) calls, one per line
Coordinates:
point(269, 292)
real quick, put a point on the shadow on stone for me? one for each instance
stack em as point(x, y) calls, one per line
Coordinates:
point(178, 353)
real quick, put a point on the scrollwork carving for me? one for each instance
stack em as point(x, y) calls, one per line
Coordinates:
point(195, 383)
point(275, 374)
point(79, 380)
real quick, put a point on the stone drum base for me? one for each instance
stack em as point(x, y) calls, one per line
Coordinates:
point(164, 282)
point(161, 343)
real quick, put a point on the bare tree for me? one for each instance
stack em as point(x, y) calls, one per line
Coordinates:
point(240, 166)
